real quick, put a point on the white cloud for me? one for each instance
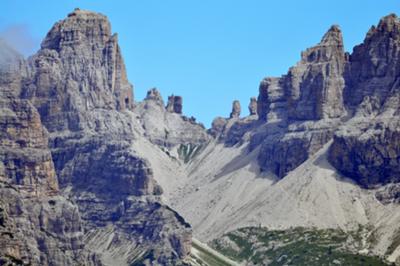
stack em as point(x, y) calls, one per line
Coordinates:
point(20, 38)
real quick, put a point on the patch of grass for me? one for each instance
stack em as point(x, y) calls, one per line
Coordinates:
point(395, 243)
point(208, 257)
point(188, 151)
point(141, 260)
point(298, 246)
point(14, 261)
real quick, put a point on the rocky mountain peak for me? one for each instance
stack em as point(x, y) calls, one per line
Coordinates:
point(174, 104)
point(388, 26)
point(79, 68)
point(330, 47)
point(373, 68)
point(366, 147)
point(389, 23)
point(81, 27)
point(333, 36)
point(310, 93)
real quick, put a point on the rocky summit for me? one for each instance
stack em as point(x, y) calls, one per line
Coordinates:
point(69, 171)
point(89, 176)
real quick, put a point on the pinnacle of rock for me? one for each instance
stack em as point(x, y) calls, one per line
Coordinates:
point(389, 23)
point(330, 47)
point(80, 28)
point(333, 36)
point(155, 95)
point(235, 109)
point(253, 106)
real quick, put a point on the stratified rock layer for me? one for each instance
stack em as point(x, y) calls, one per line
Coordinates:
point(38, 226)
point(301, 108)
point(80, 89)
point(367, 147)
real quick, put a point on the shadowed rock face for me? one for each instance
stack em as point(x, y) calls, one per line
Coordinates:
point(235, 109)
point(154, 95)
point(303, 106)
point(306, 108)
point(370, 158)
point(366, 148)
point(374, 68)
point(174, 104)
point(77, 82)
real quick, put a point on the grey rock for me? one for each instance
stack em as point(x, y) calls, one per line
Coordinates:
point(253, 106)
point(373, 70)
point(366, 148)
point(283, 150)
point(315, 85)
point(155, 95)
point(37, 224)
point(388, 194)
point(80, 88)
point(217, 126)
point(303, 108)
point(168, 129)
point(174, 104)
point(272, 102)
point(235, 109)
point(233, 132)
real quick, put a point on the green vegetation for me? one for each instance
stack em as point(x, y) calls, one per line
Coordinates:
point(395, 242)
point(143, 258)
point(207, 258)
point(188, 151)
point(298, 246)
point(13, 260)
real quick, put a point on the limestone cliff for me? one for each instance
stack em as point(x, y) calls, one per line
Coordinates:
point(77, 82)
point(38, 226)
point(367, 147)
point(302, 108)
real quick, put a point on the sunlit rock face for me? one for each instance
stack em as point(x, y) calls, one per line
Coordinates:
point(303, 106)
point(69, 130)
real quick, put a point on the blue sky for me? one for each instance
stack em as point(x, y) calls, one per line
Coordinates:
point(209, 52)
